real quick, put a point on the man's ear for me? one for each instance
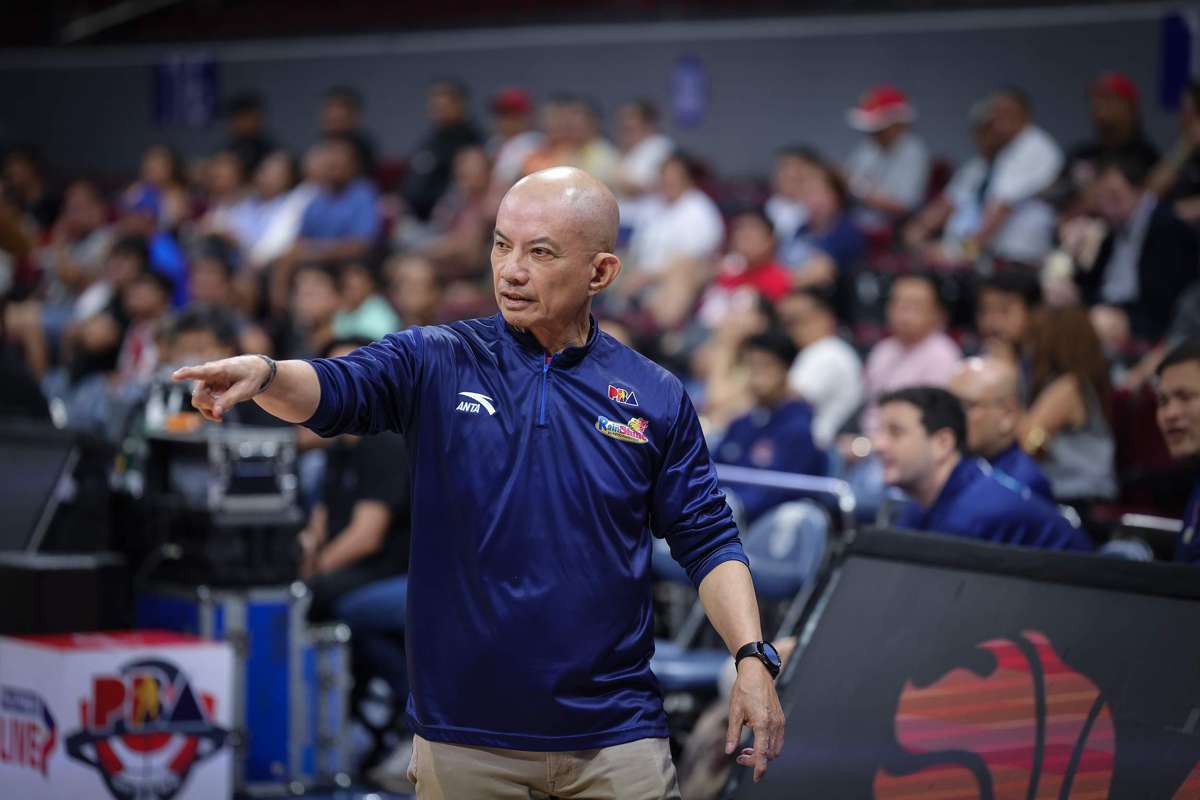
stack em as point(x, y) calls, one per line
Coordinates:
point(605, 269)
point(944, 440)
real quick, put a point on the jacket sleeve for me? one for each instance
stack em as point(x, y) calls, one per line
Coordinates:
point(373, 389)
point(688, 508)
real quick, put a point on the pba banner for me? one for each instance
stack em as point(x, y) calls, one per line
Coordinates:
point(128, 716)
point(938, 668)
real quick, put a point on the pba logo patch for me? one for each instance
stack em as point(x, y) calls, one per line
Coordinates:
point(27, 730)
point(144, 729)
point(625, 397)
point(634, 431)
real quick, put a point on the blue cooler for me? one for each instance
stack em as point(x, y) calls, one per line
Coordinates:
point(291, 682)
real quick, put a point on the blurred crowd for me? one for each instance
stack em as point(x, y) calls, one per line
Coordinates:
point(1061, 271)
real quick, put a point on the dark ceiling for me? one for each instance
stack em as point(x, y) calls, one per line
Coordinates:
point(90, 22)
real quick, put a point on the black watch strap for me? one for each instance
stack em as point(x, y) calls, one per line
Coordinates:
point(270, 377)
point(759, 650)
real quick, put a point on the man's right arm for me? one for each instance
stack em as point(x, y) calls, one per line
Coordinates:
point(292, 395)
point(370, 390)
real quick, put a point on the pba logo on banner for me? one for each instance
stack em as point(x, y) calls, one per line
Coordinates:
point(27, 730)
point(144, 729)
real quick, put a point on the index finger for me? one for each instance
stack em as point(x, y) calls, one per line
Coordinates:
point(199, 372)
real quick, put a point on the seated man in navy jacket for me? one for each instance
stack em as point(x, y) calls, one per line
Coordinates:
point(921, 440)
point(988, 389)
point(777, 432)
point(1179, 420)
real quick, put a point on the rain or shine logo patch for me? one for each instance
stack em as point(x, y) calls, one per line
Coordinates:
point(634, 431)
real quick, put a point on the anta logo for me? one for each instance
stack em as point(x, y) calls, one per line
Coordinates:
point(1030, 726)
point(476, 402)
point(625, 397)
point(27, 730)
point(144, 729)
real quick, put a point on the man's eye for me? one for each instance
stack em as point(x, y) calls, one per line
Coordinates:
point(541, 251)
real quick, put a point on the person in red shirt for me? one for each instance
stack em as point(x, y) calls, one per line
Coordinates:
point(749, 268)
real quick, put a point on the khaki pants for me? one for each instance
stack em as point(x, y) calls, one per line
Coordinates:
point(640, 770)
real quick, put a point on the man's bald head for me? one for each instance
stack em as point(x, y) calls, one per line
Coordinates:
point(574, 197)
point(552, 253)
point(989, 391)
point(995, 378)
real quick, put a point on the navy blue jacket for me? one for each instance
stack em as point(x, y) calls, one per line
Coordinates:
point(978, 505)
point(1016, 464)
point(536, 482)
point(1187, 547)
point(779, 438)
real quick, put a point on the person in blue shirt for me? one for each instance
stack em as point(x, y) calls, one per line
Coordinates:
point(543, 455)
point(989, 390)
point(777, 433)
point(342, 220)
point(921, 440)
point(1179, 420)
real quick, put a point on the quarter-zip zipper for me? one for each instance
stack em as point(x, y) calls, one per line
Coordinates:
point(542, 399)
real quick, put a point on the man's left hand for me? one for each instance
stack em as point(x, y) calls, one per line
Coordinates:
point(755, 703)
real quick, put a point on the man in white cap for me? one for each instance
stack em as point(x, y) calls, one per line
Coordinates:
point(888, 171)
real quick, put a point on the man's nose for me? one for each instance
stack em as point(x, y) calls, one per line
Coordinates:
point(512, 272)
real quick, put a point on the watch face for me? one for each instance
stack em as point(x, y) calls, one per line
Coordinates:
point(771, 653)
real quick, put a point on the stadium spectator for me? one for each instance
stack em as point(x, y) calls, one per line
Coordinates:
point(431, 166)
point(515, 139)
point(921, 441)
point(226, 187)
point(992, 203)
point(146, 214)
point(1148, 257)
point(163, 187)
point(1067, 427)
point(73, 259)
point(749, 267)
point(888, 170)
point(785, 206)
point(1176, 179)
point(27, 186)
point(461, 221)
point(827, 371)
point(1004, 303)
point(315, 304)
point(917, 351)
point(248, 137)
point(1179, 420)
point(365, 314)
point(341, 117)
point(415, 290)
point(341, 220)
point(989, 390)
point(1117, 134)
point(559, 146)
point(146, 300)
point(596, 155)
point(828, 247)
point(267, 223)
point(644, 148)
point(216, 282)
point(777, 433)
point(359, 531)
point(682, 226)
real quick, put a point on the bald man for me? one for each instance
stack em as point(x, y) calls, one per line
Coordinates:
point(989, 391)
point(543, 455)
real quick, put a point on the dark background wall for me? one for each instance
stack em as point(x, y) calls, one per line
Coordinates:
point(770, 82)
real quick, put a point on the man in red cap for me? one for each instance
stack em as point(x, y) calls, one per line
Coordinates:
point(889, 169)
point(1117, 133)
point(515, 138)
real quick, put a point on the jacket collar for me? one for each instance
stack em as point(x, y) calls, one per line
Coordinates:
point(529, 344)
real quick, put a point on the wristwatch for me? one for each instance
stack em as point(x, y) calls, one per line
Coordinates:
point(764, 652)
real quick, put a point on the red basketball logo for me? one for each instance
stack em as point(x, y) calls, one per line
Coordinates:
point(1032, 727)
